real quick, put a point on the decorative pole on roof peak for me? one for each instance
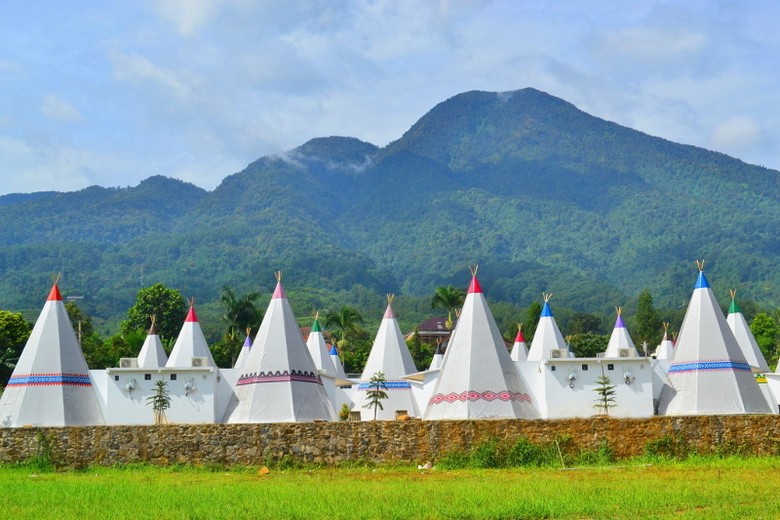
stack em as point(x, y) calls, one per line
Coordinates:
point(666, 327)
point(152, 327)
point(474, 269)
point(700, 264)
point(56, 278)
point(248, 331)
point(619, 311)
point(519, 327)
point(278, 275)
point(316, 315)
point(733, 293)
point(390, 298)
point(547, 296)
point(192, 302)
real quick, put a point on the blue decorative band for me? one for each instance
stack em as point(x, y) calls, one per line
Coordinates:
point(50, 380)
point(390, 385)
point(709, 365)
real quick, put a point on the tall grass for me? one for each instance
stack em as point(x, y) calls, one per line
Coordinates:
point(712, 487)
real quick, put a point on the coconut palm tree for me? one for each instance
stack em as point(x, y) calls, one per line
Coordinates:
point(241, 312)
point(448, 298)
point(343, 321)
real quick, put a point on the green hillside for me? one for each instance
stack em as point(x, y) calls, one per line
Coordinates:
point(542, 195)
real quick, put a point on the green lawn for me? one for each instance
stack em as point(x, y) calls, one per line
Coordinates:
point(698, 488)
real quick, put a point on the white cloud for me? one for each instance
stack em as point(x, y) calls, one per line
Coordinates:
point(55, 108)
point(736, 135)
point(137, 68)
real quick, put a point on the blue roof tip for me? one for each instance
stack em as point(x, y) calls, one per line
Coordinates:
point(333, 351)
point(701, 281)
point(546, 312)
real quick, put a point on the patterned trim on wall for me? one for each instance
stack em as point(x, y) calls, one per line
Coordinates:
point(391, 385)
point(50, 379)
point(709, 366)
point(487, 395)
point(278, 377)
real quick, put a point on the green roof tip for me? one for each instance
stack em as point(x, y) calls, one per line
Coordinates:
point(734, 308)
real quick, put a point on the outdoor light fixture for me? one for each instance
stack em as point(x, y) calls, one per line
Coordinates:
point(628, 378)
point(571, 377)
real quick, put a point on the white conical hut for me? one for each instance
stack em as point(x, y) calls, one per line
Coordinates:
point(620, 344)
point(548, 341)
point(334, 357)
point(279, 382)
point(745, 338)
point(665, 350)
point(191, 348)
point(519, 348)
point(709, 374)
point(152, 354)
point(319, 350)
point(389, 355)
point(478, 379)
point(51, 385)
point(438, 356)
point(245, 349)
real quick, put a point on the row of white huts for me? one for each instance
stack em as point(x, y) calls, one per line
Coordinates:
point(714, 368)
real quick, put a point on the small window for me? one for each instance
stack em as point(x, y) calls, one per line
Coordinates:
point(584, 368)
point(552, 367)
point(147, 377)
point(116, 378)
point(610, 366)
point(173, 377)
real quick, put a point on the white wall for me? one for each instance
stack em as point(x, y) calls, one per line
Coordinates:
point(125, 406)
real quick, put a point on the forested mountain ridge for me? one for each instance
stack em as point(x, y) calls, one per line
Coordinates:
point(544, 196)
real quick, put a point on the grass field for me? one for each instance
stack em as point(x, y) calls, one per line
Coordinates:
point(697, 488)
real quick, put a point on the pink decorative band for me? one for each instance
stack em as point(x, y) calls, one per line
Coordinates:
point(472, 395)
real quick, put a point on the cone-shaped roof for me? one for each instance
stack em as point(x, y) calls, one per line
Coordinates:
point(477, 378)
point(709, 374)
point(519, 349)
point(547, 337)
point(245, 349)
point(389, 353)
point(745, 339)
point(620, 343)
point(191, 343)
point(152, 354)
point(334, 356)
point(279, 381)
point(666, 349)
point(319, 350)
point(50, 385)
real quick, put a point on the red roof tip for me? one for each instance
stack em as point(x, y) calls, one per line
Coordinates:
point(389, 313)
point(519, 338)
point(279, 291)
point(474, 287)
point(54, 294)
point(191, 316)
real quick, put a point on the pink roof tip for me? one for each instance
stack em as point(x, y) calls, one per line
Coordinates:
point(389, 314)
point(519, 338)
point(54, 294)
point(474, 287)
point(279, 291)
point(191, 316)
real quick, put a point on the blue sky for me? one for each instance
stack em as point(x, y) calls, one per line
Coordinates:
point(110, 93)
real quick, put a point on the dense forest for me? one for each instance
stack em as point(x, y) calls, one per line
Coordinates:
point(542, 195)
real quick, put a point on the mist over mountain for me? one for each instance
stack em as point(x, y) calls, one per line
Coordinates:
point(542, 195)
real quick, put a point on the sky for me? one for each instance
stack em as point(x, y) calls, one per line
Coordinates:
point(110, 93)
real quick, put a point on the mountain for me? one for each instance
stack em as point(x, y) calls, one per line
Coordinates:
point(542, 195)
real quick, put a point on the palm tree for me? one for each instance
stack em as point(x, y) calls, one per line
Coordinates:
point(343, 321)
point(241, 312)
point(448, 298)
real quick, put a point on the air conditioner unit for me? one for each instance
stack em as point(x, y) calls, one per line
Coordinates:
point(128, 362)
point(624, 352)
point(200, 361)
point(559, 353)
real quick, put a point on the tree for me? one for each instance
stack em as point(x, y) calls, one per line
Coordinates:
point(531, 320)
point(241, 314)
point(14, 331)
point(344, 321)
point(588, 344)
point(422, 353)
point(168, 305)
point(450, 299)
point(160, 401)
point(377, 391)
point(648, 321)
point(583, 322)
point(606, 393)
point(766, 330)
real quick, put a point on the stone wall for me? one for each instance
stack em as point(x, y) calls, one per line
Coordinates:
point(412, 441)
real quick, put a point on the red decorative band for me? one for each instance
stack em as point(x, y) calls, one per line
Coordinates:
point(488, 395)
